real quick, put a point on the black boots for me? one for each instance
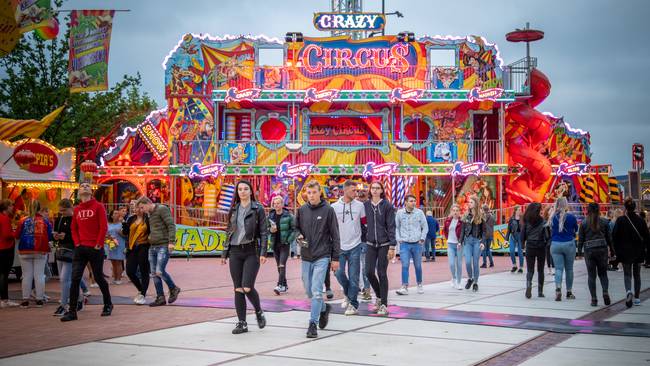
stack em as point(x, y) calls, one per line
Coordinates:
point(160, 301)
point(261, 320)
point(529, 289)
point(240, 328)
point(107, 310)
point(558, 294)
point(69, 316)
point(606, 298)
point(540, 289)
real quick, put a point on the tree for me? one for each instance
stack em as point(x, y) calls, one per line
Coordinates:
point(34, 82)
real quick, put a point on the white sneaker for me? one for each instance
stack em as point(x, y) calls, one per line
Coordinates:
point(420, 289)
point(87, 293)
point(459, 286)
point(140, 300)
point(383, 311)
point(351, 310)
point(637, 301)
point(94, 285)
point(452, 283)
point(403, 291)
point(345, 303)
point(11, 304)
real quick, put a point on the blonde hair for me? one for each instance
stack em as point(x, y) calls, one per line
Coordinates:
point(561, 207)
point(452, 209)
point(475, 210)
point(34, 208)
point(277, 198)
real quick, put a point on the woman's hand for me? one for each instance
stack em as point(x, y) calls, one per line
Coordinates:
point(224, 260)
point(482, 246)
point(391, 253)
point(262, 259)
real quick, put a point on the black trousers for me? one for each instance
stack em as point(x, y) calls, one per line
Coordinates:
point(596, 261)
point(6, 262)
point(137, 261)
point(244, 265)
point(82, 256)
point(377, 261)
point(281, 254)
point(629, 270)
point(535, 255)
point(549, 257)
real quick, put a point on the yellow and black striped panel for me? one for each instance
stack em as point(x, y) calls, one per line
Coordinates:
point(614, 190)
point(588, 188)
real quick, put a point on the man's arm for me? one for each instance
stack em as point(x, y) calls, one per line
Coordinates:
point(166, 216)
point(103, 226)
point(335, 237)
point(424, 227)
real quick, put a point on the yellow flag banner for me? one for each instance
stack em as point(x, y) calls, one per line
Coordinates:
point(10, 128)
point(32, 14)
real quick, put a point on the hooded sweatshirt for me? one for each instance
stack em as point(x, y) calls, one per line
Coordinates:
point(318, 225)
point(89, 224)
point(380, 223)
point(349, 217)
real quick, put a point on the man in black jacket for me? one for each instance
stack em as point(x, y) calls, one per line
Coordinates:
point(318, 236)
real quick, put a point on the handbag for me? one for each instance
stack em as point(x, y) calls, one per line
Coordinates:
point(595, 243)
point(64, 254)
point(634, 227)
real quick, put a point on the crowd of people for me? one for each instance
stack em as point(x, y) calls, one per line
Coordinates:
point(355, 237)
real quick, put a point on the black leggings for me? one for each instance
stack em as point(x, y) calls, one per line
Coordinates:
point(281, 254)
point(82, 256)
point(244, 265)
point(549, 257)
point(138, 260)
point(629, 270)
point(535, 255)
point(6, 262)
point(377, 258)
point(596, 261)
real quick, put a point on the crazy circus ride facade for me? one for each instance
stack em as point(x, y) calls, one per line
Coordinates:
point(336, 108)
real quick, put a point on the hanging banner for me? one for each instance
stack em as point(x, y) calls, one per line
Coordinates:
point(32, 14)
point(90, 38)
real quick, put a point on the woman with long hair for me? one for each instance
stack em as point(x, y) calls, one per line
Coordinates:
point(546, 214)
point(136, 231)
point(563, 248)
point(7, 250)
point(472, 238)
point(451, 230)
point(380, 237)
point(594, 237)
point(630, 239)
point(246, 246)
point(115, 245)
point(513, 237)
point(534, 236)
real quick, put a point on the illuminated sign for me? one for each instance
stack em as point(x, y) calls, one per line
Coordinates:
point(153, 139)
point(197, 170)
point(402, 95)
point(328, 95)
point(45, 158)
point(374, 170)
point(235, 95)
point(349, 21)
point(573, 169)
point(286, 170)
point(369, 57)
point(464, 170)
point(478, 95)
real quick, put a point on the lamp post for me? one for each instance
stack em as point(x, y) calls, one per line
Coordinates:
point(383, 12)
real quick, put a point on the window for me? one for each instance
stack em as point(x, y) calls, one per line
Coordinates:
point(270, 57)
point(442, 57)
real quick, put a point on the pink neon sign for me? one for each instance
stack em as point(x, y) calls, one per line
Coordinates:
point(464, 170)
point(478, 95)
point(316, 58)
point(573, 169)
point(286, 170)
point(235, 95)
point(403, 95)
point(198, 170)
point(373, 169)
point(328, 95)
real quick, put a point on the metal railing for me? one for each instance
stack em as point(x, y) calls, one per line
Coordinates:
point(426, 151)
point(515, 76)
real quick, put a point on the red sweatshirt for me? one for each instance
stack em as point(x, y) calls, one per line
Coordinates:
point(7, 234)
point(89, 224)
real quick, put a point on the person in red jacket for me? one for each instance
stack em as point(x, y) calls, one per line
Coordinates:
point(34, 234)
point(7, 244)
point(89, 227)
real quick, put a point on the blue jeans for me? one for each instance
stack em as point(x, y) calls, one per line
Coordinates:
point(564, 254)
point(313, 278)
point(351, 258)
point(472, 252)
point(65, 277)
point(158, 258)
point(487, 252)
point(430, 248)
point(515, 243)
point(364, 276)
point(406, 252)
point(455, 257)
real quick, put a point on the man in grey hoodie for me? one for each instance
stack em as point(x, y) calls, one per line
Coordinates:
point(411, 232)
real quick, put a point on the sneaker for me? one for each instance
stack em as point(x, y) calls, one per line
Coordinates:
point(475, 287)
point(284, 289)
point(311, 331)
point(160, 301)
point(351, 310)
point(8, 304)
point(606, 299)
point(628, 299)
point(594, 302)
point(520, 270)
point(452, 283)
point(469, 283)
point(329, 293)
point(118, 282)
point(69, 316)
point(107, 310)
point(24, 304)
point(40, 303)
point(403, 291)
point(173, 294)
point(59, 311)
point(513, 270)
point(80, 305)
point(570, 296)
point(491, 265)
point(637, 301)
point(383, 311)
point(324, 317)
point(140, 300)
point(459, 286)
point(240, 327)
point(420, 289)
point(558, 294)
point(94, 285)
point(366, 296)
point(87, 293)
point(345, 303)
point(277, 290)
point(261, 319)
point(377, 304)
point(483, 265)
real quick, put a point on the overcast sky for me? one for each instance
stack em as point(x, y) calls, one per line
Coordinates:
point(595, 52)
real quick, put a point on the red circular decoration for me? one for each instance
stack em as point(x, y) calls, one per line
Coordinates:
point(273, 130)
point(417, 131)
point(41, 158)
point(88, 166)
point(525, 35)
point(24, 158)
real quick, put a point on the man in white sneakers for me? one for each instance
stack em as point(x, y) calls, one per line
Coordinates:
point(411, 232)
point(349, 213)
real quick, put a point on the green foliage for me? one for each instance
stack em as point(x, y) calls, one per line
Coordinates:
point(34, 82)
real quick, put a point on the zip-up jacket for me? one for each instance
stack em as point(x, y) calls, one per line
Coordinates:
point(590, 239)
point(470, 229)
point(34, 234)
point(489, 226)
point(63, 224)
point(287, 227)
point(411, 227)
point(380, 223)
point(447, 224)
point(514, 228)
point(162, 229)
point(535, 235)
point(319, 226)
point(255, 228)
